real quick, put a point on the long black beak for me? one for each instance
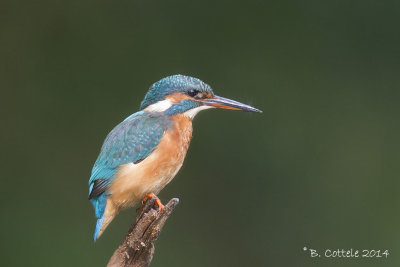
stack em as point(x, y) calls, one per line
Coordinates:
point(221, 102)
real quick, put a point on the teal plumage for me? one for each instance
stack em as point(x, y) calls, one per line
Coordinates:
point(130, 141)
point(158, 135)
point(175, 83)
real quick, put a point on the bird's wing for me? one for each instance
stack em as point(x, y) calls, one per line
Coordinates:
point(130, 141)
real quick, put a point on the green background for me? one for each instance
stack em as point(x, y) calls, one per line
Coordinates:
point(318, 169)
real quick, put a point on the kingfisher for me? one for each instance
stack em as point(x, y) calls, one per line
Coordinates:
point(143, 153)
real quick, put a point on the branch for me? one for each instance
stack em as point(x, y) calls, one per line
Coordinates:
point(137, 248)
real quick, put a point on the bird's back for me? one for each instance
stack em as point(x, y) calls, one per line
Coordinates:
point(134, 181)
point(139, 156)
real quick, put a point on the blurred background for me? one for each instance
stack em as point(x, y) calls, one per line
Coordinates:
point(318, 169)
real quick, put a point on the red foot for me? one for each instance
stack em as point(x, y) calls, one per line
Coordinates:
point(157, 202)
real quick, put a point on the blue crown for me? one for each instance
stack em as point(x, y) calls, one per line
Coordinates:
point(171, 84)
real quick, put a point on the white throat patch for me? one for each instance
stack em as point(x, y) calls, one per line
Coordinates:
point(193, 112)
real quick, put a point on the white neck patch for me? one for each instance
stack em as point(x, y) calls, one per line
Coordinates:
point(160, 106)
point(193, 112)
point(163, 105)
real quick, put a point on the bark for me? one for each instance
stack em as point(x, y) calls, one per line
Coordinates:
point(137, 248)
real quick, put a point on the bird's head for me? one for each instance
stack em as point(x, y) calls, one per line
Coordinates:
point(179, 94)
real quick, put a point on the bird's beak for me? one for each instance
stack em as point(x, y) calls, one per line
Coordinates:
point(221, 102)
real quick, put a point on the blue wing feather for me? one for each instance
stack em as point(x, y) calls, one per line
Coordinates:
point(130, 141)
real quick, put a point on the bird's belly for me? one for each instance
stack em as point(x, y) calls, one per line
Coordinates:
point(134, 181)
point(132, 184)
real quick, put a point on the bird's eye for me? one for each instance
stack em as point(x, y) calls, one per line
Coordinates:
point(192, 92)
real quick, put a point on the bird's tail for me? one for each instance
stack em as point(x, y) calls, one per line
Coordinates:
point(105, 218)
point(97, 232)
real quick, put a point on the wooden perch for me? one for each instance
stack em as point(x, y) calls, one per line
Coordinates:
point(137, 248)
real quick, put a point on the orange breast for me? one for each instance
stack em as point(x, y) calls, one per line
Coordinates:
point(134, 181)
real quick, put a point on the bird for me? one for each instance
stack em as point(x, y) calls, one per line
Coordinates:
point(144, 152)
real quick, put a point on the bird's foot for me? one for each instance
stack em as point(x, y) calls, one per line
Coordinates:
point(149, 196)
point(159, 204)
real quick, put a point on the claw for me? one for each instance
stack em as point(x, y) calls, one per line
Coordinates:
point(148, 196)
point(157, 202)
